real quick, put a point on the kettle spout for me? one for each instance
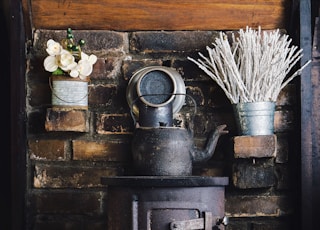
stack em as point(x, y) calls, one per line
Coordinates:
point(205, 154)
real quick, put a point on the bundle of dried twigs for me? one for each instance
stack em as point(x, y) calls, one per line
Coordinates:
point(253, 67)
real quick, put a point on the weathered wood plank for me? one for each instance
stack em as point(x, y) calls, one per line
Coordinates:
point(157, 15)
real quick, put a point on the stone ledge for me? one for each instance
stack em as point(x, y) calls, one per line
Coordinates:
point(67, 120)
point(254, 146)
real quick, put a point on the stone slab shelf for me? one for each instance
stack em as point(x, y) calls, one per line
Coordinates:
point(61, 119)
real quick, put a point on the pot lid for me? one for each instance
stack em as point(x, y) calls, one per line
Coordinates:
point(173, 83)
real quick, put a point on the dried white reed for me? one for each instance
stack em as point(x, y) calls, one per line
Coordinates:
point(254, 67)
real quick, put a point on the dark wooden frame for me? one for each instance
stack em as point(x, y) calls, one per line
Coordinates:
point(310, 126)
point(309, 118)
point(18, 114)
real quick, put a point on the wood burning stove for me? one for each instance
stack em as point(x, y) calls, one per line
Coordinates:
point(165, 202)
point(163, 193)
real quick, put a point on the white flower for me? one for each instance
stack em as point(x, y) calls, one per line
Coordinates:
point(66, 60)
point(84, 67)
point(53, 47)
point(50, 63)
point(92, 58)
point(82, 70)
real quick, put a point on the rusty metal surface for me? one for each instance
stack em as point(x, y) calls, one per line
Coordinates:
point(145, 208)
point(169, 151)
point(162, 151)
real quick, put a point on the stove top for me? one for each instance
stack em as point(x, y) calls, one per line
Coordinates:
point(165, 181)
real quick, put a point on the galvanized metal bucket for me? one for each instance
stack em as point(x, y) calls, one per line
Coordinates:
point(69, 92)
point(255, 118)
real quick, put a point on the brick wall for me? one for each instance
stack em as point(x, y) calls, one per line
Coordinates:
point(64, 167)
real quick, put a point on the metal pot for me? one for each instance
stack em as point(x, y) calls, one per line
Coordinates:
point(164, 151)
point(154, 95)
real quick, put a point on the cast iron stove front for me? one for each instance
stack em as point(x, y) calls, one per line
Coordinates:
point(165, 202)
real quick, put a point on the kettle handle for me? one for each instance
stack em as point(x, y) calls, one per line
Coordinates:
point(190, 124)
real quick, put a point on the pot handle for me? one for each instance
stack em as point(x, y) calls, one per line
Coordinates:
point(190, 124)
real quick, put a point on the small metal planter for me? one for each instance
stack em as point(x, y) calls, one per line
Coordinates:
point(255, 118)
point(69, 92)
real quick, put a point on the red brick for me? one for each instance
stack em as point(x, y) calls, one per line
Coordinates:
point(67, 120)
point(284, 120)
point(39, 93)
point(108, 150)
point(205, 93)
point(264, 223)
point(257, 206)
point(67, 202)
point(69, 222)
point(205, 122)
point(107, 68)
point(254, 146)
point(47, 149)
point(114, 124)
point(100, 95)
point(287, 96)
point(104, 42)
point(253, 174)
point(282, 154)
point(178, 41)
point(99, 69)
point(129, 67)
point(70, 176)
point(272, 225)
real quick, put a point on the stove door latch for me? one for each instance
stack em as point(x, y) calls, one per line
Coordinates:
point(205, 223)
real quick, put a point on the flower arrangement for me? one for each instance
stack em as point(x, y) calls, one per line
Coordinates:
point(253, 67)
point(67, 58)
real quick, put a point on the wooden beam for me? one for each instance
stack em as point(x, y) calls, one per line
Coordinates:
point(156, 15)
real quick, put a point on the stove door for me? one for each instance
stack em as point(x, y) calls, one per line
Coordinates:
point(159, 219)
